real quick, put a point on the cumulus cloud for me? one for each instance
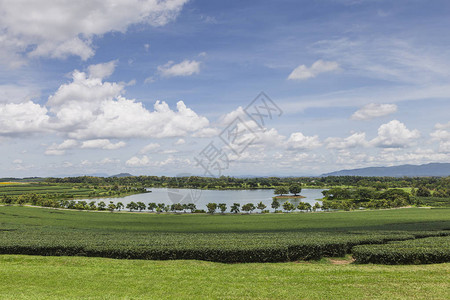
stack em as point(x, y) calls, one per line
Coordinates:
point(357, 139)
point(299, 141)
point(374, 110)
point(144, 161)
point(206, 132)
point(22, 118)
point(88, 108)
point(395, 135)
point(102, 144)
point(302, 72)
point(103, 70)
point(180, 142)
point(60, 149)
point(184, 68)
point(136, 161)
point(442, 126)
point(442, 135)
point(149, 148)
point(62, 28)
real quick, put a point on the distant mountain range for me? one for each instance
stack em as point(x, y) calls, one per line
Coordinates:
point(122, 175)
point(433, 169)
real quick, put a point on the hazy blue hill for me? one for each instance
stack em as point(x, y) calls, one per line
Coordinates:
point(122, 175)
point(432, 169)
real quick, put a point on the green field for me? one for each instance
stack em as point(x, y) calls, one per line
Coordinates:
point(35, 277)
point(256, 237)
point(220, 238)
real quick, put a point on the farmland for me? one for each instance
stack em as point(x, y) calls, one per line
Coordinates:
point(221, 238)
point(43, 192)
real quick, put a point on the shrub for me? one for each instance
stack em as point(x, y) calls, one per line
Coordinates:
point(419, 251)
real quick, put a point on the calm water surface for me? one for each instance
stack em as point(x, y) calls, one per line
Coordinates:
point(203, 197)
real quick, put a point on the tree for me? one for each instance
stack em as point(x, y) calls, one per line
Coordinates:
point(101, 205)
point(92, 205)
point(131, 206)
point(249, 207)
point(280, 190)
point(191, 207)
point(235, 208)
point(119, 205)
point(316, 206)
point(178, 207)
point(423, 192)
point(275, 204)
point(295, 189)
point(288, 206)
point(141, 205)
point(161, 207)
point(301, 206)
point(21, 200)
point(308, 206)
point(261, 206)
point(211, 207)
point(222, 207)
point(151, 206)
point(7, 199)
point(111, 206)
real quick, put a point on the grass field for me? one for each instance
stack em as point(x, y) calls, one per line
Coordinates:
point(70, 277)
point(220, 238)
point(35, 277)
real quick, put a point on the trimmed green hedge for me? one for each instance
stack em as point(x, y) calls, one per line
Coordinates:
point(419, 251)
point(217, 247)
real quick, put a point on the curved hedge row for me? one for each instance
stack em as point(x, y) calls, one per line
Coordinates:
point(418, 251)
point(217, 247)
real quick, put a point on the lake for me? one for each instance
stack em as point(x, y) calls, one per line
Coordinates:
point(202, 197)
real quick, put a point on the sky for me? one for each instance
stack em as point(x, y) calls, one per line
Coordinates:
point(285, 88)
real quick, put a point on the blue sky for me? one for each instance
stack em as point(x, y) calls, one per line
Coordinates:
point(360, 83)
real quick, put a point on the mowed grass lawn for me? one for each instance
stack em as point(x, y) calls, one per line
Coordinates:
point(38, 277)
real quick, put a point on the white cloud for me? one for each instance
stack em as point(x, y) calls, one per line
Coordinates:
point(444, 147)
point(144, 161)
point(180, 142)
point(299, 141)
point(62, 28)
point(302, 72)
point(395, 135)
point(394, 60)
point(149, 148)
point(206, 132)
point(443, 136)
point(102, 144)
point(22, 118)
point(89, 108)
point(442, 126)
point(60, 149)
point(149, 80)
point(355, 140)
point(103, 70)
point(184, 68)
point(374, 110)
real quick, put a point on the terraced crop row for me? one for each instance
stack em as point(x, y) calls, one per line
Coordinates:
point(418, 251)
point(228, 239)
point(219, 247)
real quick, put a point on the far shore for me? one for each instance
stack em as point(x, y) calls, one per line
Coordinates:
point(289, 197)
